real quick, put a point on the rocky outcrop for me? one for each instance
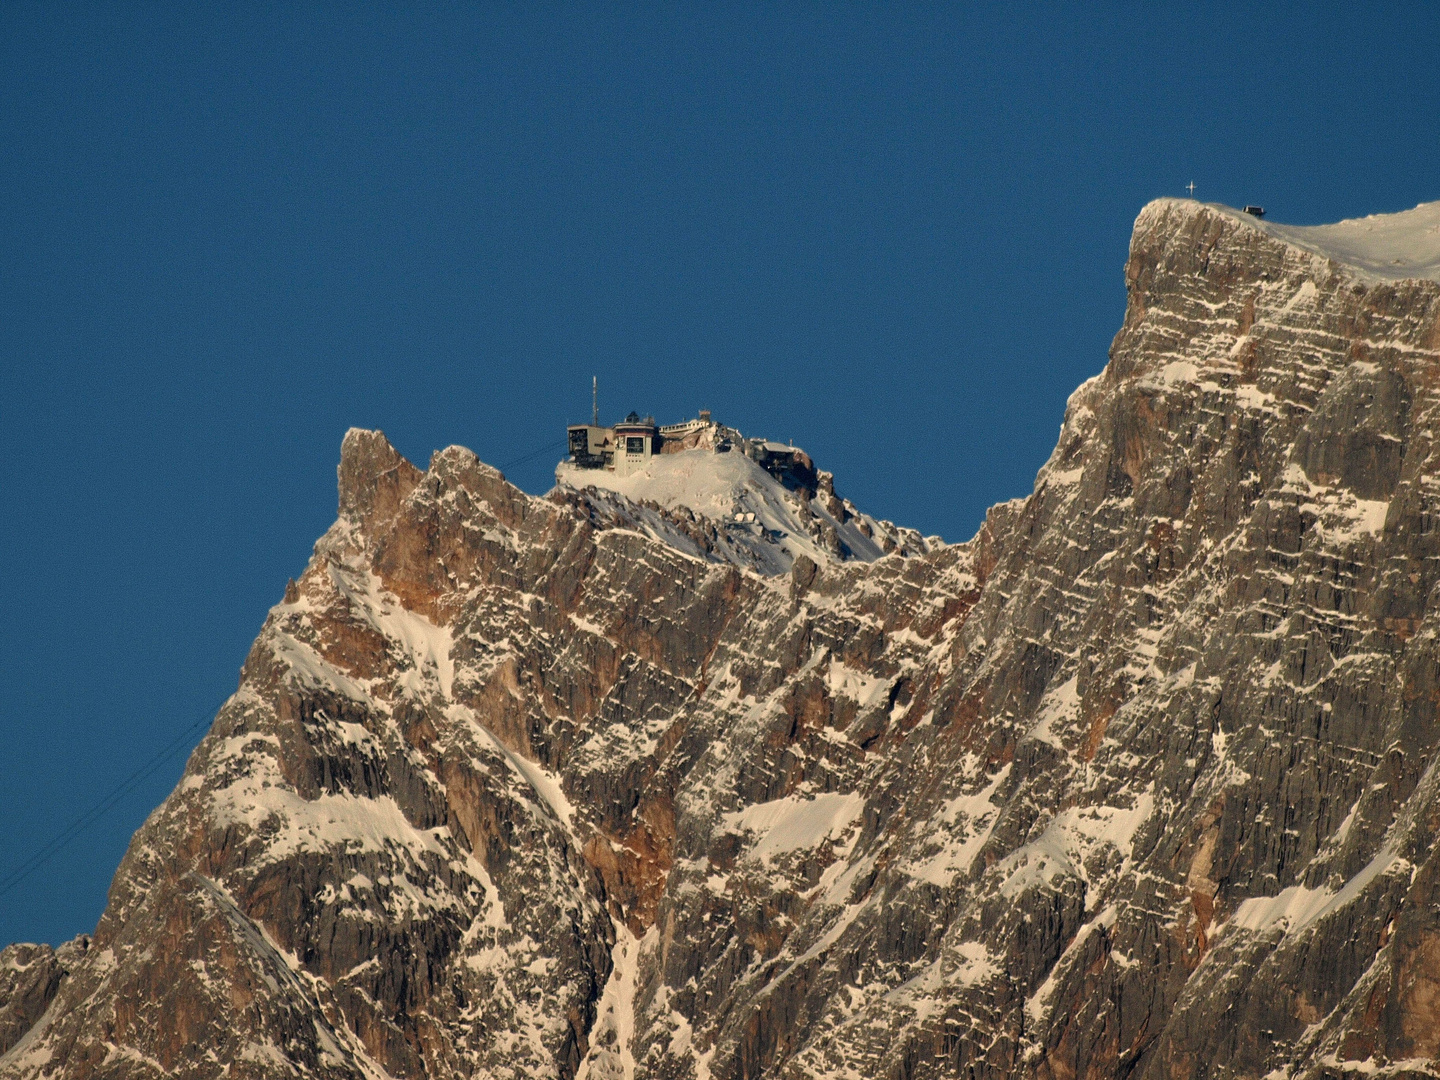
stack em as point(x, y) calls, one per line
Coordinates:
point(1140, 781)
point(30, 976)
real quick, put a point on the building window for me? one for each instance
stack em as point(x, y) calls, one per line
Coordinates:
point(635, 444)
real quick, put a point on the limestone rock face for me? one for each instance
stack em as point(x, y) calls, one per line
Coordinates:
point(30, 975)
point(1139, 782)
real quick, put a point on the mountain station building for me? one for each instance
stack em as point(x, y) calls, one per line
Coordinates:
point(623, 449)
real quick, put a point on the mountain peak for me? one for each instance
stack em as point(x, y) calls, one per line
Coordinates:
point(373, 476)
point(1142, 782)
point(764, 502)
point(1383, 247)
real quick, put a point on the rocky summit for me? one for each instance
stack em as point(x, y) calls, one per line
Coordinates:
point(1141, 781)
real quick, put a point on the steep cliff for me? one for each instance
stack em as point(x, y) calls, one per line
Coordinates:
point(1140, 781)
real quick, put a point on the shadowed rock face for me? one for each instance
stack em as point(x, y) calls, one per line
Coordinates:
point(29, 977)
point(1138, 782)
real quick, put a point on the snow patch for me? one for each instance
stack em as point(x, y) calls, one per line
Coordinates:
point(1294, 908)
point(1059, 707)
point(427, 644)
point(545, 785)
point(752, 509)
point(1388, 246)
point(796, 824)
point(1385, 247)
point(1069, 840)
point(612, 1039)
point(969, 821)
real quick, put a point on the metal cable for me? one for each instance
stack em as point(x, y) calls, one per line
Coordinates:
point(96, 812)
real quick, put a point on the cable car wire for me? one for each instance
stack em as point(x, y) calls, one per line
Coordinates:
point(19, 873)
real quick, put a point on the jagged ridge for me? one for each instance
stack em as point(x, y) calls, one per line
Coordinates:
point(1140, 780)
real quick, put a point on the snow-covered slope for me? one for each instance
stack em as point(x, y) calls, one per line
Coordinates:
point(758, 522)
point(1390, 247)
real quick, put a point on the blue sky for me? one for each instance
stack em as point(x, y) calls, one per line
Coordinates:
point(893, 234)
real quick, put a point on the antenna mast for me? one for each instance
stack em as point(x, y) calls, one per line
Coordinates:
point(595, 400)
